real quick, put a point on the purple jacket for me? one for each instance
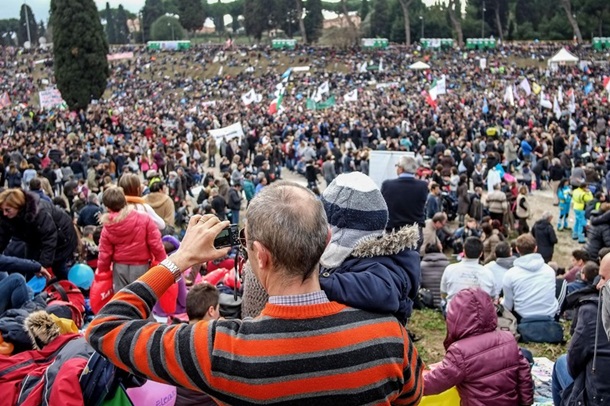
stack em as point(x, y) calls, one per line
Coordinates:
point(485, 364)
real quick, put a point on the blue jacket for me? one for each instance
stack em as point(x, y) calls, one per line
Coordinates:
point(25, 267)
point(526, 148)
point(89, 215)
point(381, 275)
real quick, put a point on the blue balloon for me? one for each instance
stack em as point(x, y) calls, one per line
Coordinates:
point(81, 275)
point(37, 283)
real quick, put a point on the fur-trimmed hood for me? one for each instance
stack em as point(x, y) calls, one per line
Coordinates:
point(112, 218)
point(388, 244)
point(41, 328)
point(31, 208)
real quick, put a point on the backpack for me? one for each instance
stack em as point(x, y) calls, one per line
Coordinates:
point(101, 380)
point(507, 321)
point(67, 294)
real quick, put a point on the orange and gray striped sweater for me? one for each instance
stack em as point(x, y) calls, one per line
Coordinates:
point(324, 354)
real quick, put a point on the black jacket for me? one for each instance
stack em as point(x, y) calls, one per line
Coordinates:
point(545, 237)
point(598, 234)
point(591, 387)
point(46, 230)
point(406, 199)
point(235, 199)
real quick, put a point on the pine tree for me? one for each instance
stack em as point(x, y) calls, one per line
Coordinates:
point(313, 20)
point(364, 9)
point(153, 9)
point(111, 31)
point(22, 33)
point(380, 19)
point(41, 29)
point(122, 32)
point(79, 51)
point(191, 14)
point(255, 18)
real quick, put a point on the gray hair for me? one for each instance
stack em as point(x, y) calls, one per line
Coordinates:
point(408, 164)
point(546, 215)
point(291, 223)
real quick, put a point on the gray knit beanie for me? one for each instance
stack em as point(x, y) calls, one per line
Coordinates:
point(356, 211)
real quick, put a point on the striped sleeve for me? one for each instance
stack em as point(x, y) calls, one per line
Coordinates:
point(413, 388)
point(122, 333)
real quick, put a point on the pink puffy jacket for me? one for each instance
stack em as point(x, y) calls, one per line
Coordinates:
point(485, 365)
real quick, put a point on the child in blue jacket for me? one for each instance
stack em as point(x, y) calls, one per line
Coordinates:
point(564, 193)
point(362, 266)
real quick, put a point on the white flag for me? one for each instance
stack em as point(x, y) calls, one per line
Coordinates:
point(351, 96)
point(438, 87)
point(560, 94)
point(362, 67)
point(251, 97)
point(525, 85)
point(572, 102)
point(220, 71)
point(544, 102)
point(323, 88)
point(381, 65)
point(556, 108)
point(509, 97)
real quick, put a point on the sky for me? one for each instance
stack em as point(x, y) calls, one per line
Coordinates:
point(40, 8)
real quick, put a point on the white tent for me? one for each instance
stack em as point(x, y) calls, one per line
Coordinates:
point(419, 66)
point(563, 57)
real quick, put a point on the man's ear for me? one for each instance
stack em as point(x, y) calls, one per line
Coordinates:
point(262, 255)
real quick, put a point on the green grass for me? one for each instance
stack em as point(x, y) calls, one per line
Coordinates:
point(430, 326)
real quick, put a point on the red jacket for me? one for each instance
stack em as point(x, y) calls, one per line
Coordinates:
point(129, 237)
point(485, 364)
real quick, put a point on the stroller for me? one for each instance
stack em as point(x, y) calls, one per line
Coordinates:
point(449, 205)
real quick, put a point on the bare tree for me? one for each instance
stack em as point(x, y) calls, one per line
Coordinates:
point(301, 24)
point(567, 7)
point(456, 20)
point(350, 22)
point(498, 21)
point(405, 4)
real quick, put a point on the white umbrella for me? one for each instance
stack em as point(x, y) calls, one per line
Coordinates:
point(419, 66)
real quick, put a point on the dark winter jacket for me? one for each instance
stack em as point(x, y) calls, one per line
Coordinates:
point(235, 199)
point(46, 230)
point(89, 215)
point(432, 267)
point(544, 233)
point(26, 267)
point(382, 275)
point(588, 355)
point(463, 199)
point(484, 364)
point(598, 234)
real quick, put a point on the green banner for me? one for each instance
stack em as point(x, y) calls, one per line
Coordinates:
point(312, 105)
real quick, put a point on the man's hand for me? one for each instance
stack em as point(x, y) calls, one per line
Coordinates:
point(43, 272)
point(198, 243)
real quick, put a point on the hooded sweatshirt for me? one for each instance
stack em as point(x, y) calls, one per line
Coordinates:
point(529, 287)
point(498, 268)
point(162, 205)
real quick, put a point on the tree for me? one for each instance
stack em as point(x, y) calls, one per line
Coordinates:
point(364, 9)
point(166, 28)
point(302, 29)
point(567, 7)
point(352, 26)
point(405, 4)
point(79, 52)
point(380, 19)
point(8, 30)
point(256, 19)
point(110, 26)
point(41, 29)
point(191, 14)
point(122, 30)
point(455, 15)
point(153, 9)
point(27, 21)
point(313, 20)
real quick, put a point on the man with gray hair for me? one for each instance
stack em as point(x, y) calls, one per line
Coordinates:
point(90, 214)
point(304, 349)
point(405, 196)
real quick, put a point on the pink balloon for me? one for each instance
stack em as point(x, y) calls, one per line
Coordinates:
point(153, 393)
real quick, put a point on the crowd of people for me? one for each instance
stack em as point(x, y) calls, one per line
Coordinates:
point(117, 186)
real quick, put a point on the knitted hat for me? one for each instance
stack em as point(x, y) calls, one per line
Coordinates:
point(356, 211)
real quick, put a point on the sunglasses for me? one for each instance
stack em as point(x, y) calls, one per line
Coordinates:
point(242, 244)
